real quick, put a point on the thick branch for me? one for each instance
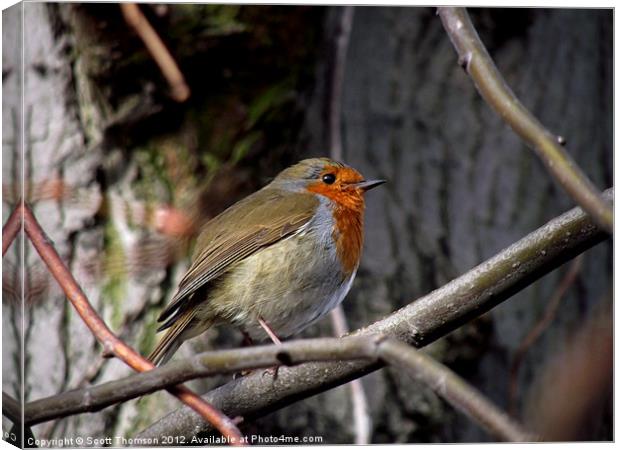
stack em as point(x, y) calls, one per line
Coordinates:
point(11, 408)
point(476, 61)
point(100, 330)
point(418, 323)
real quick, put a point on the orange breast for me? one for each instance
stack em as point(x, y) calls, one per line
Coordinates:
point(348, 210)
point(349, 236)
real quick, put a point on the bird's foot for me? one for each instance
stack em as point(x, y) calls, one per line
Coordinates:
point(273, 371)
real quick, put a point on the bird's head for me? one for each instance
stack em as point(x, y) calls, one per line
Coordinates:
point(332, 179)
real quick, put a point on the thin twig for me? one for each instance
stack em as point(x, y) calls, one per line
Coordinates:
point(361, 415)
point(94, 369)
point(538, 329)
point(419, 323)
point(475, 59)
point(11, 228)
point(454, 390)
point(336, 79)
point(104, 335)
point(157, 49)
point(339, 321)
point(566, 401)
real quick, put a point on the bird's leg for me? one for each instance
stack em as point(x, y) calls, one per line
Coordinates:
point(276, 340)
point(247, 340)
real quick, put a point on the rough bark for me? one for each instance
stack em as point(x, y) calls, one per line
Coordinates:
point(59, 182)
point(11, 188)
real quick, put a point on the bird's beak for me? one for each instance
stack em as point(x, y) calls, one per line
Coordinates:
point(366, 185)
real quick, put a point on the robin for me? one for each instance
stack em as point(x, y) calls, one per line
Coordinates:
point(275, 261)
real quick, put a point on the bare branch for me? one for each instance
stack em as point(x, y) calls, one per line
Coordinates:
point(361, 417)
point(336, 79)
point(110, 342)
point(11, 228)
point(157, 49)
point(538, 329)
point(361, 413)
point(11, 408)
point(202, 365)
point(419, 323)
point(372, 348)
point(475, 59)
point(454, 390)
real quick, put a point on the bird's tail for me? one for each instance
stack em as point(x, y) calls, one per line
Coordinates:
point(183, 328)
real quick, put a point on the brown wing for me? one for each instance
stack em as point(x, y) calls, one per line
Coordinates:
point(268, 216)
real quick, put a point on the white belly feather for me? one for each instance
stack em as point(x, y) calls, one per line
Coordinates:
point(289, 293)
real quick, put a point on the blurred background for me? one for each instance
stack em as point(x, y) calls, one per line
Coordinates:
point(121, 173)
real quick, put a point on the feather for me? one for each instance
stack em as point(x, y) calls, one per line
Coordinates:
point(274, 215)
point(173, 338)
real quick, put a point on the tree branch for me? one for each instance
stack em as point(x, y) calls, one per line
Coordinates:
point(418, 323)
point(475, 59)
point(532, 336)
point(361, 417)
point(336, 79)
point(111, 343)
point(369, 347)
point(202, 365)
point(11, 408)
point(157, 49)
point(454, 390)
point(11, 228)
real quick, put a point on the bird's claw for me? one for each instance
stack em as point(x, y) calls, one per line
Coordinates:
point(272, 371)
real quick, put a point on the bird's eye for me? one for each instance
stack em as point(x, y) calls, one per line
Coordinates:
point(329, 178)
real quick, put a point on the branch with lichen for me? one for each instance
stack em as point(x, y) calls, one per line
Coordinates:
point(419, 323)
point(475, 60)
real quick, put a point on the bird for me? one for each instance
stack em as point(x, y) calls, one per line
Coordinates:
point(274, 262)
